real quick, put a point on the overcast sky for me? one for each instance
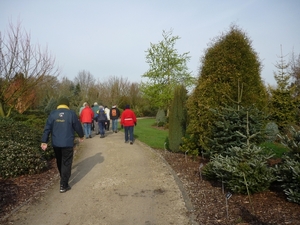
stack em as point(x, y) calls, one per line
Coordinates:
point(110, 37)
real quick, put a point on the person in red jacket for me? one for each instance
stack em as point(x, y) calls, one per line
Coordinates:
point(128, 121)
point(86, 118)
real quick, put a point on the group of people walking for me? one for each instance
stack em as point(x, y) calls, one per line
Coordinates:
point(98, 118)
point(62, 123)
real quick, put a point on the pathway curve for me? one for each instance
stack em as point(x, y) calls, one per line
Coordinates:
point(113, 183)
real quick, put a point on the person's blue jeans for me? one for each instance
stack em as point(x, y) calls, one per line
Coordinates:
point(114, 125)
point(102, 127)
point(128, 132)
point(87, 127)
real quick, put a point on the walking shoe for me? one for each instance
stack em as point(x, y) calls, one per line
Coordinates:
point(90, 136)
point(64, 189)
point(131, 142)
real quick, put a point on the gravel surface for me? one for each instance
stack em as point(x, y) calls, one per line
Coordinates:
point(112, 183)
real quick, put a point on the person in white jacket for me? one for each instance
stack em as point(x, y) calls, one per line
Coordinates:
point(107, 112)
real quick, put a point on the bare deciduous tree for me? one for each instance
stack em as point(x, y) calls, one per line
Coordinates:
point(20, 58)
point(115, 90)
point(86, 81)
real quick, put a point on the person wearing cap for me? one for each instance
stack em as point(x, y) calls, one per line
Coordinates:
point(95, 109)
point(128, 121)
point(62, 123)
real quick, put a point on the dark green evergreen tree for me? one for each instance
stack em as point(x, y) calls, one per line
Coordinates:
point(177, 118)
point(230, 123)
point(243, 168)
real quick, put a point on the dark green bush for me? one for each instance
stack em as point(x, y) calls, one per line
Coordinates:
point(18, 159)
point(20, 151)
point(228, 126)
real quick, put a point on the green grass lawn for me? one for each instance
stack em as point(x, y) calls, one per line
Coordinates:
point(277, 148)
point(145, 132)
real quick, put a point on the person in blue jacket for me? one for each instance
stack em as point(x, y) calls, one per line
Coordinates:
point(62, 123)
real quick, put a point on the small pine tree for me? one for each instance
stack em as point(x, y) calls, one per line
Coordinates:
point(230, 123)
point(177, 119)
point(244, 163)
point(244, 169)
point(283, 105)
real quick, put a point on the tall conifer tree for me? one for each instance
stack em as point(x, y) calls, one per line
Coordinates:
point(228, 63)
point(177, 118)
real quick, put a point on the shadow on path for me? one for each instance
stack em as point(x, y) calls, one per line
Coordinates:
point(84, 167)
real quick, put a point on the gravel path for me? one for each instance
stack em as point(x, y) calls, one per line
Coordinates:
point(113, 183)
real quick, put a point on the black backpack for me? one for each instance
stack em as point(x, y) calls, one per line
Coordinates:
point(102, 115)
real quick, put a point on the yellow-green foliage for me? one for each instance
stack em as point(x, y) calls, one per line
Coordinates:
point(284, 105)
point(230, 66)
point(177, 118)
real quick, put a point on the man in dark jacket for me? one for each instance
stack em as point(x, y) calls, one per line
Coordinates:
point(62, 124)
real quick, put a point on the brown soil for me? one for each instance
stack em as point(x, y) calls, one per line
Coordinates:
point(208, 199)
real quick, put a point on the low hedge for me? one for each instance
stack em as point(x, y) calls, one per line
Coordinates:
point(20, 151)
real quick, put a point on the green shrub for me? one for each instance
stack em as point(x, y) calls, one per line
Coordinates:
point(288, 174)
point(21, 143)
point(18, 159)
point(240, 164)
point(161, 118)
point(189, 145)
point(291, 140)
